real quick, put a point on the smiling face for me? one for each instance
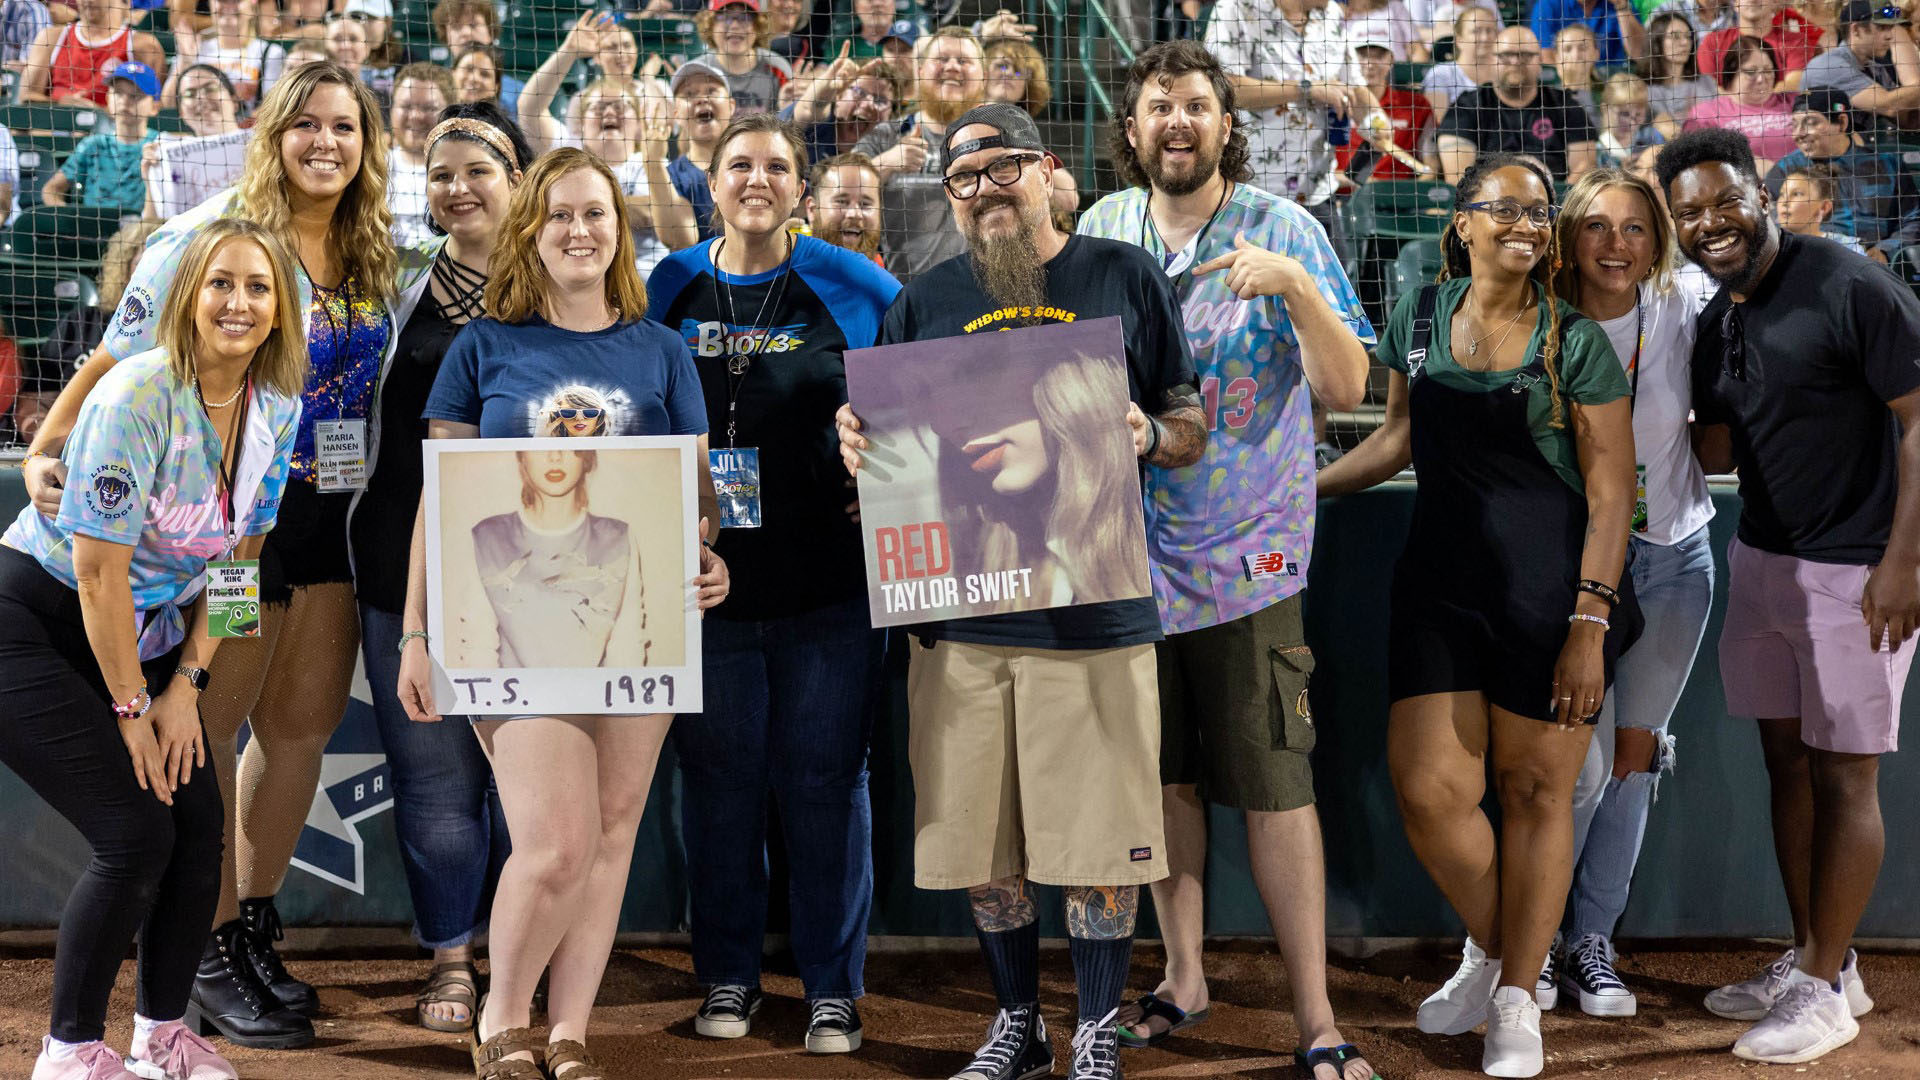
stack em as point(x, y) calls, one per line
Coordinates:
point(579, 235)
point(756, 183)
point(321, 151)
point(845, 208)
point(1817, 136)
point(416, 105)
point(1753, 82)
point(952, 74)
point(609, 126)
point(866, 101)
point(467, 190)
point(475, 77)
point(1801, 209)
point(1512, 248)
point(236, 308)
point(1613, 245)
point(347, 43)
point(995, 211)
point(733, 33)
point(1723, 222)
point(205, 104)
point(703, 107)
point(1178, 132)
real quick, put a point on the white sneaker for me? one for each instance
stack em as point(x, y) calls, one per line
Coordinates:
point(1513, 1035)
point(1546, 989)
point(1461, 1005)
point(1809, 1020)
point(1754, 999)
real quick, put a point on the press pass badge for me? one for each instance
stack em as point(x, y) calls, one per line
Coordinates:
point(233, 599)
point(736, 482)
point(340, 454)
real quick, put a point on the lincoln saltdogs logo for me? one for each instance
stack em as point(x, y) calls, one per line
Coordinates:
point(110, 492)
point(135, 309)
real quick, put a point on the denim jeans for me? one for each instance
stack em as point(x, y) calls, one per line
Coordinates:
point(1674, 585)
point(788, 709)
point(446, 810)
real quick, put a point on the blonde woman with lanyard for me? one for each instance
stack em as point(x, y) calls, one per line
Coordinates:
point(180, 457)
point(565, 309)
point(1618, 249)
point(316, 179)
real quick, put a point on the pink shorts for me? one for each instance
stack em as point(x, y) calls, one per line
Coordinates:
point(1795, 644)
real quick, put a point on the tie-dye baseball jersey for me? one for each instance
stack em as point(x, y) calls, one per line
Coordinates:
point(1233, 533)
point(143, 469)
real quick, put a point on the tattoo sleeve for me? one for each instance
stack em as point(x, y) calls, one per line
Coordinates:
point(1002, 905)
point(1183, 430)
point(1102, 912)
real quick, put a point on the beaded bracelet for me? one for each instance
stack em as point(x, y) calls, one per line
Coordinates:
point(136, 706)
point(1605, 592)
point(410, 635)
point(1581, 616)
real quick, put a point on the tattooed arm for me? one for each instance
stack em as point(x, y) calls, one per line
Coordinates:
point(1003, 904)
point(1174, 438)
point(1102, 912)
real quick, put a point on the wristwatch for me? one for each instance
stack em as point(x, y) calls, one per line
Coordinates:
point(196, 676)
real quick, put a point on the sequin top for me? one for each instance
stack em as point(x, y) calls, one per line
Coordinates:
point(347, 332)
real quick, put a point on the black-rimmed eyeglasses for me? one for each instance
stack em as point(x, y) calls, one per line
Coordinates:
point(1003, 172)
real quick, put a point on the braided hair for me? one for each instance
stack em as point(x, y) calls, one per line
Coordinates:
point(1456, 262)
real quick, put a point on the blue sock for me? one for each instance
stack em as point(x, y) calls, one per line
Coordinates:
point(1100, 972)
point(1013, 962)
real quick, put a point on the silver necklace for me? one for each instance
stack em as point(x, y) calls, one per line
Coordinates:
point(204, 403)
point(1473, 343)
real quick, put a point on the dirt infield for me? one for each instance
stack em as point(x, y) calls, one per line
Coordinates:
point(927, 1010)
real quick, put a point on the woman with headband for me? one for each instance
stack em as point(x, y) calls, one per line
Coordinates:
point(446, 812)
point(316, 178)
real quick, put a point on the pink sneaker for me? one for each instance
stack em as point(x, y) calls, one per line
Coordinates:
point(91, 1061)
point(173, 1052)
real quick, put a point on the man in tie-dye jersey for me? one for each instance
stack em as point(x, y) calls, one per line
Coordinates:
point(1268, 312)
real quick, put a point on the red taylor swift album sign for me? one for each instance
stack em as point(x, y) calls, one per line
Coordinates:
point(1000, 474)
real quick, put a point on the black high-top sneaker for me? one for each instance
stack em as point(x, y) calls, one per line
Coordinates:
point(262, 922)
point(1016, 1048)
point(228, 998)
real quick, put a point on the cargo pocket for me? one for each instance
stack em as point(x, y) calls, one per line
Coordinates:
point(1292, 711)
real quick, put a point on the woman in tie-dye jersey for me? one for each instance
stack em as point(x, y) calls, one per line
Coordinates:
point(315, 178)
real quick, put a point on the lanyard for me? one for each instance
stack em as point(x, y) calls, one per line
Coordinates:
point(1639, 340)
point(1177, 264)
point(339, 338)
point(229, 473)
point(756, 338)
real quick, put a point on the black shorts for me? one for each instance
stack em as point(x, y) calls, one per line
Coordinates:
point(308, 544)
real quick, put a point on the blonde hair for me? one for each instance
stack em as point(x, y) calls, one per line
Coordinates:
point(362, 227)
point(553, 426)
point(280, 363)
point(517, 290)
point(1566, 280)
point(1624, 88)
point(605, 87)
point(116, 267)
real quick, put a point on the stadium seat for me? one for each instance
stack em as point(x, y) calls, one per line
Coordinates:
point(36, 165)
point(1402, 209)
point(36, 117)
point(33, 297)
point(65, 234)
point(1416, 265)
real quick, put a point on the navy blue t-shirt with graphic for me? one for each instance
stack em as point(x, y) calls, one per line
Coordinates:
point(807, 552)
point(522, 380)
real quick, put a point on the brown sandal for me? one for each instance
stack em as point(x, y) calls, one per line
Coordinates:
point(563, 1052)
point(455, 983)
point(490, 1060)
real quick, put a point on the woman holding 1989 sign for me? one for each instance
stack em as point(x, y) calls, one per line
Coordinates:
point(565, 316)
point(790, 662)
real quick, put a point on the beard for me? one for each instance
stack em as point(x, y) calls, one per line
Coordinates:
point(1746, 276)
point(944, 112)
point(1008, 267)
point(1206, 162)
point(866, 242)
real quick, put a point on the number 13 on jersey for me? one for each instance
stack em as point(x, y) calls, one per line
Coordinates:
point(1238, 399)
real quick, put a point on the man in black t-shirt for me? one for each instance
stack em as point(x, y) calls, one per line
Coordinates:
point(1036, 735)
point(1517, 115)
point(1806, 376)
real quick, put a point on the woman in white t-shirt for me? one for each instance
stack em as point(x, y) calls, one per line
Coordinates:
point(1618, 248)
point(1473, 32)
point(230, 44)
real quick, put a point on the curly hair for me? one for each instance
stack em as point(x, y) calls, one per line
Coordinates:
point(1706, 146)
point(1028, 61)
point(763, 33)
point(362, 227)
point(517, 289)
point(448, 12)
point(1458, 261)
point(1162, 64)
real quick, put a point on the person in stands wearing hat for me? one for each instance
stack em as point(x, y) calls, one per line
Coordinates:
point(736, 35)
point(1072, 689)
point(950, 77)
point(1862, 66)
point(1875, 197)
point(106, 164)
point(68, 65)
point(680, 198)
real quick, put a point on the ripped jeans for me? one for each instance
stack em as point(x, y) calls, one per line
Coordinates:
point(1674, 585)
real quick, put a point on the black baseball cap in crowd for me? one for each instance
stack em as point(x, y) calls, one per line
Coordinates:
point(1016, 128)
point(1826, 101)
point(1878, 12)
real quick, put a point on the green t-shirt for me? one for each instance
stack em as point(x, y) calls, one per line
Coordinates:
point(1589, 372)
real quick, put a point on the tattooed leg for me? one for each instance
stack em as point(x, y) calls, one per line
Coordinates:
point(1004, 904)
point(1102, 912)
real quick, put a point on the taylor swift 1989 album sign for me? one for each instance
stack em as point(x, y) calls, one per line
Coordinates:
point(1000, 474)
point(559, 576)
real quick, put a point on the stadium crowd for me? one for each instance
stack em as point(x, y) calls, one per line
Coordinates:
point(1685, 233)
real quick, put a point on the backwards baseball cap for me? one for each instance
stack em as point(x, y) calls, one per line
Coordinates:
point(692, 68)
point(1016, 129)
point(1826, 101)
point(905, 30)
point(1878, 12)
point(137, 73)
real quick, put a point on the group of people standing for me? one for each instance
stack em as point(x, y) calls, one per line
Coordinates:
point(1558, 549)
